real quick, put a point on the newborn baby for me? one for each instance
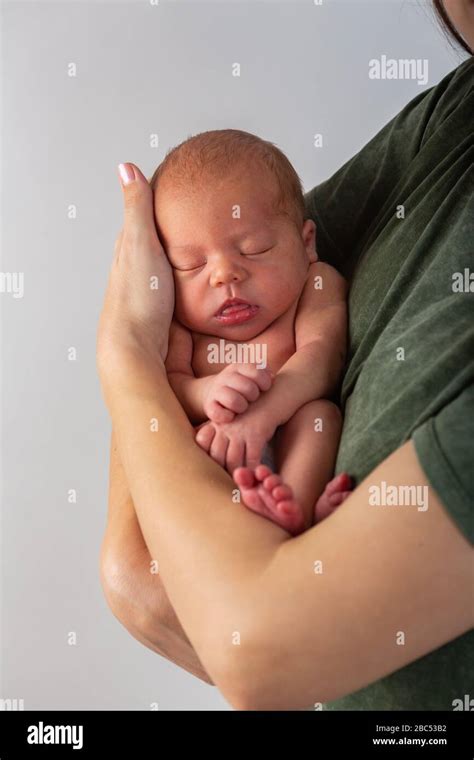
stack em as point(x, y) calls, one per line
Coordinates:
point(258, 337)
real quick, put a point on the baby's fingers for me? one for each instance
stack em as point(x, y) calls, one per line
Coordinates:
point(231, 399)
point(253, 452)
point(262, 377)
point(248, 388)
point(218, 448)
point(218, 413)
point(235, 456)
point(204, 436)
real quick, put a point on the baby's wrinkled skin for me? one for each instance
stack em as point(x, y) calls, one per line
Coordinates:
point(225, 240)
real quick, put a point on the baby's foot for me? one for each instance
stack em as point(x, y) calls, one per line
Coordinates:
point(265, 493)
point(336, 491)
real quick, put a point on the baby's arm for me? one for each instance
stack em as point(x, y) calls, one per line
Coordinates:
point(218, 397)
point(314, 370)
point(188, 389)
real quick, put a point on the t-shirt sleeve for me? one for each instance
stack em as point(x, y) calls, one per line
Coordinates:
point(443, 445)
point(346, 206)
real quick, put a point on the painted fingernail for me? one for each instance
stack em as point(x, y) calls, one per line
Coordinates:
point(126, 173)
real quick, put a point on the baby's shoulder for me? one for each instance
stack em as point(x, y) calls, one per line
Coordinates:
point(324, 282)
point(319, 270)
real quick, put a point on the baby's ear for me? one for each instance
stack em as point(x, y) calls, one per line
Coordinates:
point(309, 239)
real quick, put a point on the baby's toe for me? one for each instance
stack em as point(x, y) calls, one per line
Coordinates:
point(292, 515)
point(262, 471)
point(341, 482)
point(244, 477)
point(282, 491)
point(337, 498)
point(253, 500)
point(286, 506)
point(272, 481)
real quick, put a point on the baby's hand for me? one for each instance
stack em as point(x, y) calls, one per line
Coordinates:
point(232, 390)
point(238, 443)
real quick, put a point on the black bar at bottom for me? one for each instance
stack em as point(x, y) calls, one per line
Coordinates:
point(63, 734)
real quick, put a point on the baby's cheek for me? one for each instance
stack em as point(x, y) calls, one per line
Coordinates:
point(183, 302)
point(282, 291)
point(189, 308)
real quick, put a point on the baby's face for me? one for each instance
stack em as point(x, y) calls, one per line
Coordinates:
point(224, 241)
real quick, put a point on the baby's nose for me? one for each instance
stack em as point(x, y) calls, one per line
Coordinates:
point(226, 274)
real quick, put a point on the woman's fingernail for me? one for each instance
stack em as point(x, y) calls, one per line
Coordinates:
point(126, 173)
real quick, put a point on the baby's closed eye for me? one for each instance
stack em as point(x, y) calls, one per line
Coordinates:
point(192, 264)
point(257, 253)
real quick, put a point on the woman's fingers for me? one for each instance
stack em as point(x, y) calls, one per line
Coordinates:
point(118, 244)
point(138, 306)
point(138, 203)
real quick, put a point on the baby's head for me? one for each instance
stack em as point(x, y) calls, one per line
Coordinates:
point(230, 214)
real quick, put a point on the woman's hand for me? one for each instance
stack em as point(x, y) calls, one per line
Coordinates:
point(139, 300)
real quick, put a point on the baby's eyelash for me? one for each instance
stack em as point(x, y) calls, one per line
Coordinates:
point(191, 269)
point(257, 253)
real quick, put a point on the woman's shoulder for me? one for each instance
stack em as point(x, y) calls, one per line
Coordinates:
point(453, 91)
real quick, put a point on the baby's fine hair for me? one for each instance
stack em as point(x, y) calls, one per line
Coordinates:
point(220, 151)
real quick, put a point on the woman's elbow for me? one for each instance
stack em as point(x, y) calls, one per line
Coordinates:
point(112, 577)
point(249, 676)
point(248, 693)
point(120, 592)
point(236, 664)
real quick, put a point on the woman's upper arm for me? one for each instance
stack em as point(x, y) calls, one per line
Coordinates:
point(360, 595)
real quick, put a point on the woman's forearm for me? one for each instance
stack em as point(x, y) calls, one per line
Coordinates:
point(135, 595)
point(212, 551)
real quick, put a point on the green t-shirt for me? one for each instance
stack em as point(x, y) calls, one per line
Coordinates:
point(397, 221)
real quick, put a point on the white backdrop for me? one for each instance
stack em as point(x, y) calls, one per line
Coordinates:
point(140, 70)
